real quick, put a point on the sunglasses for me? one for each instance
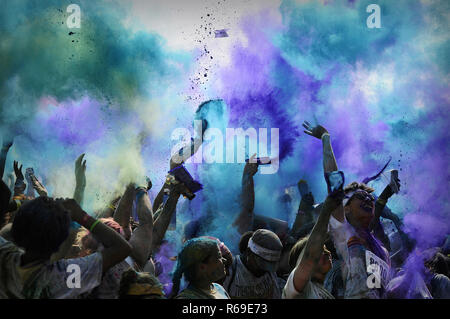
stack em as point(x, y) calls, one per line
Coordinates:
point(363, 195)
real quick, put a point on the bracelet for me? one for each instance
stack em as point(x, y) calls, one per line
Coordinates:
point(94, 224)
point(381, 201)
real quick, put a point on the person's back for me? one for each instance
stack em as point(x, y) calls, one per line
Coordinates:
point(40, 227)
point(241, 283)
point(45, 279)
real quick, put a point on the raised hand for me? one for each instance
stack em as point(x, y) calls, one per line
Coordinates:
point(80, 171)
point(18, 170)
point(40, 189)
point(316, 131)
point(149, 183)
point(251, 167)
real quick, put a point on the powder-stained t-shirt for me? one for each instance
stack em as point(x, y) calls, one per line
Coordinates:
point(110, 284)
point(312, 290)
point(53, 280)
point(218, 292)
point(354, 268)
point(243, 284)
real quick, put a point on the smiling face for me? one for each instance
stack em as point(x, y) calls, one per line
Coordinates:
point(360, 209)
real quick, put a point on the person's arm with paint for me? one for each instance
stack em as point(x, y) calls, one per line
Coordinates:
point(80, 179)
point(329, 160)
point(141, 238)
point(314, 248)
point(29, 172)
point(38, 187)
point(375, 226)
point(123, 212)
point(245, 219)
point(162, 221)
point(19, 186)
point(180, 157)
point(304, 219)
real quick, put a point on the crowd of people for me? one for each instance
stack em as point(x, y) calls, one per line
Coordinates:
point(340, 248)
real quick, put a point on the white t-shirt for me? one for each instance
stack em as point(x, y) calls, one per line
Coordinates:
point(50, 279)
point(110, 284)
point(312, 290)
point(246, 285)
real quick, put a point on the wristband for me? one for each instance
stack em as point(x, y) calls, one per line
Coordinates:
point(94, 224)
point(381, 201)
point(325, 135)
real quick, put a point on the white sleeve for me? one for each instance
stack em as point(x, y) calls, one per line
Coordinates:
point(340, 233)
point(289, 291)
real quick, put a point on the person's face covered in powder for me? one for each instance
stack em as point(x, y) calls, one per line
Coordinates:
point(213, 268)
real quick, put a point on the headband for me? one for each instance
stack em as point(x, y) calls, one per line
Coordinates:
point(267, 254)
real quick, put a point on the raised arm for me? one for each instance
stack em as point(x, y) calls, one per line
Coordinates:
point(389, 190)
point(329, 160)
point(122, 214)
point(141, 238)
point(19, 186)
point(161, 223)
point(245, 219)
point(7, 143)
point(80, 179)
point(304, 219)
point(37, 185)
point(116, 247)
point(313, 250)
point(30, 189)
